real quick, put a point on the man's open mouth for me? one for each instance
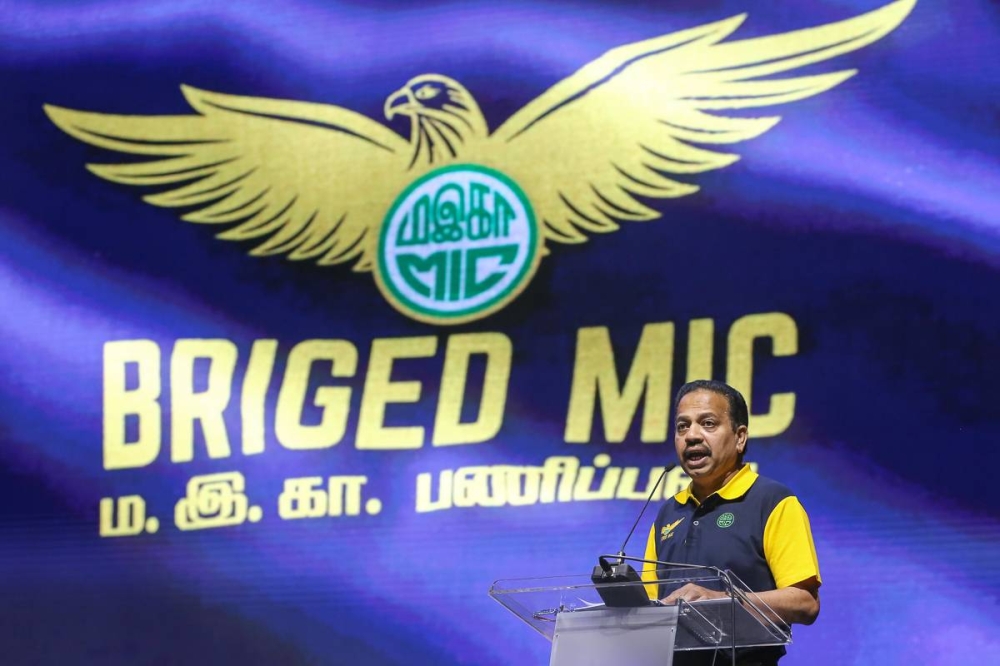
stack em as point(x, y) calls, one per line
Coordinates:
point(694, 455)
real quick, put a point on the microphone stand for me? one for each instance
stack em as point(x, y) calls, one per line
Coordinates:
point(606, 572)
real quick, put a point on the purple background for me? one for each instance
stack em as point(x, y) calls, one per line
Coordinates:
point(869, 214)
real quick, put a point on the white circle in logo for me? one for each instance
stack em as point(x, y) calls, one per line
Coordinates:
point(459, 243)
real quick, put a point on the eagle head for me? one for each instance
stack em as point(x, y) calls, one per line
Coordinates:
point(443, 116)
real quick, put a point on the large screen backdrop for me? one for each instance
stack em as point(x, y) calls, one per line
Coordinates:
point(317, 318)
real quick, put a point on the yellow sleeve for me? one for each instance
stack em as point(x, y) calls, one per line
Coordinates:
point(788, 544)
point(649, 570)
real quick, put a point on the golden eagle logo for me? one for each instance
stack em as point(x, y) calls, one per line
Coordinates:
point(454, 221)
point(667, 531)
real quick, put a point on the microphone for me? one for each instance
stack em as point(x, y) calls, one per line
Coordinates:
point(624, 596)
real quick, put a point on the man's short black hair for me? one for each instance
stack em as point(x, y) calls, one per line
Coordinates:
point(738, 414)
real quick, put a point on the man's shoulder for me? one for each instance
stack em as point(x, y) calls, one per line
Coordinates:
point(769, 491)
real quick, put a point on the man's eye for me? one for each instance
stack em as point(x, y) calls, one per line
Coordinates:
point(709, 424)
point(681, 427)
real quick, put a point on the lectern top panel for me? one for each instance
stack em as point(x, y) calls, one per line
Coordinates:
point(701, 625)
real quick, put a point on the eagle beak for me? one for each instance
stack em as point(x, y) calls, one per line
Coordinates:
point(399, 102)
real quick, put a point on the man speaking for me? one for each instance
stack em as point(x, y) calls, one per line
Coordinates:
point(731, 518)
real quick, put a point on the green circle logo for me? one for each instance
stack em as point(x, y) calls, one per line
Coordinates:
point(457, 244)
point(725, 520)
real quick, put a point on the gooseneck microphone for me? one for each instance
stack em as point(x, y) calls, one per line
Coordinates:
point(605, 572)
point(667, 468)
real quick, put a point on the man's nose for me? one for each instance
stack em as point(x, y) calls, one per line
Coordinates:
point(693, 435)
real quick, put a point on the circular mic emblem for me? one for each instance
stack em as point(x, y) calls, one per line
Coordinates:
point(458, 244)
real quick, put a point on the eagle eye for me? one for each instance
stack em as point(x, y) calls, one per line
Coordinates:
point(426, 91)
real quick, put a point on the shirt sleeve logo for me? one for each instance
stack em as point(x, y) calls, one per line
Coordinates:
point(725, 520)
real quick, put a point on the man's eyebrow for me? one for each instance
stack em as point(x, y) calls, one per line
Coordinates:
point(699, 415)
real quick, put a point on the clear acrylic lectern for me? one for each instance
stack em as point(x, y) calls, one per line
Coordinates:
point(570, 612)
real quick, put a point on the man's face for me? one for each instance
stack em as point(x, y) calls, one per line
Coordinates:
point(707, 446)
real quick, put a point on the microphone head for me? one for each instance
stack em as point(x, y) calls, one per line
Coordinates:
point(619, 586)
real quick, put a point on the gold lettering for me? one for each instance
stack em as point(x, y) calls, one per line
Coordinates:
point(558, 478)
point(215, 500)
point(302, 498)
point(345, 495)
point(472, 486)
point(701, 343)
point(255, 383)
point(498, 350)
point(783, 332)
point(141, 402)
point(188, 406)
point(335, 401)
point(594, 375)
point(523, 485)
point(582, 490)
point(125, 516)
point(630, 477)
point(380, 391)
point(425, 503)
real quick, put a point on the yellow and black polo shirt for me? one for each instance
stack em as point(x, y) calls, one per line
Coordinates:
point(752, 525)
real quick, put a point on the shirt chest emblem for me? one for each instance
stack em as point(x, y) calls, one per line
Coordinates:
point(725, 520)
point(668, 530)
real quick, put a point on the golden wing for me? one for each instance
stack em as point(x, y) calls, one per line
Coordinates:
point(313, 180)
point(624, 120)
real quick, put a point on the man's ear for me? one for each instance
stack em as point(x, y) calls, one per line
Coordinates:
point(741, 438)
